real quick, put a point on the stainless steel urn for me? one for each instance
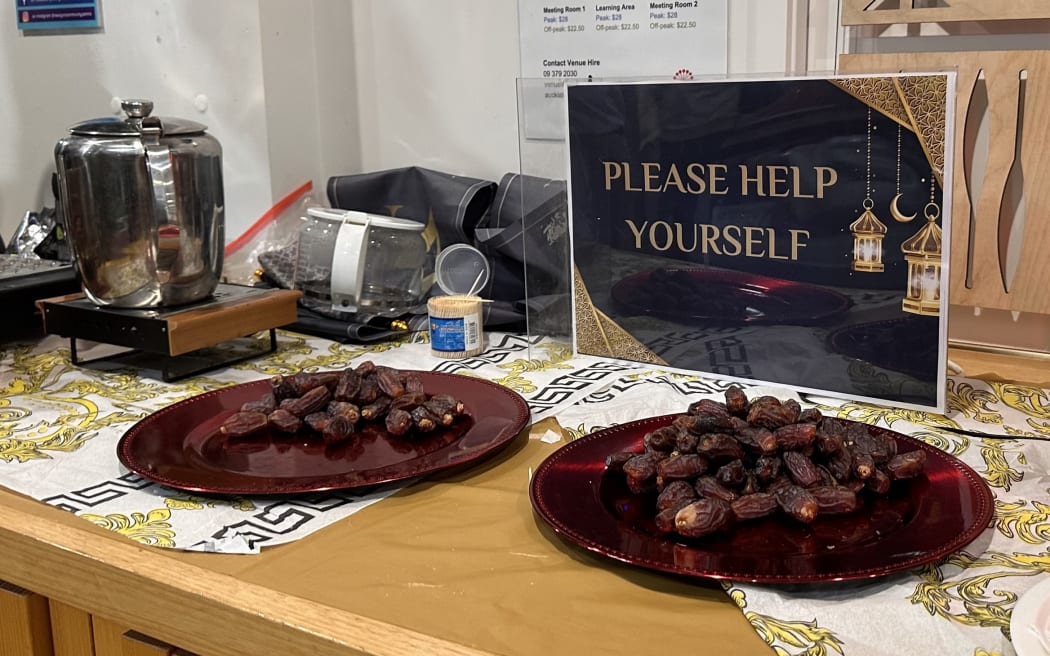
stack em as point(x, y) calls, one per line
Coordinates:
point(142, 200)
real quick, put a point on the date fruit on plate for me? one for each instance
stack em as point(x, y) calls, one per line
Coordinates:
point(740, 460)
point(331, 404)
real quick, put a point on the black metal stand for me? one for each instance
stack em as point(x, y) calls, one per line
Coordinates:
point(177, 367)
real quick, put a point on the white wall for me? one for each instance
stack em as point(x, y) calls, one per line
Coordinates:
point(302, 90)
point(313, 125)
point(437, 84)
point(175, 52)
point(437, 79)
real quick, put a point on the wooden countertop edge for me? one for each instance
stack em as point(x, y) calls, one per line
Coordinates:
point(206, 612)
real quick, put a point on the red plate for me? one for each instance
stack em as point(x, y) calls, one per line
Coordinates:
point(181, 447)
point(919, 522)
point(726, 297)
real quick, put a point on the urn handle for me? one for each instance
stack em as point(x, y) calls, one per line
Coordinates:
point(158, 165)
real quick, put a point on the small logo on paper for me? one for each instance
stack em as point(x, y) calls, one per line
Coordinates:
point(683, 74)
point(25, 16)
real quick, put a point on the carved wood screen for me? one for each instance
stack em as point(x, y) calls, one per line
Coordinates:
point(1001, 186)
point(874, 12)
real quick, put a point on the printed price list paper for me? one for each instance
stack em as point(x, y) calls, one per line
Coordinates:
point(578, 41)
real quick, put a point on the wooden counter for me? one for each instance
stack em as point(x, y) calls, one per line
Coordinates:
point(454, 565)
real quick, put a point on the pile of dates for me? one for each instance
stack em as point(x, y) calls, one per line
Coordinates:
point(332, 403)
point(722, 463)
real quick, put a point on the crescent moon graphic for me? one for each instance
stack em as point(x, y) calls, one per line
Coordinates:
point(895, 211)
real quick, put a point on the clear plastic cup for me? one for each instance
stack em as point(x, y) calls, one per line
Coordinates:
point(461, 270)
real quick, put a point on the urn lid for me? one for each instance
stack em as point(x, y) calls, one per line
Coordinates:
point(136, 111)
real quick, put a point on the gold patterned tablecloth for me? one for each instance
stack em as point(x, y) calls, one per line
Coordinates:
point(59, 426)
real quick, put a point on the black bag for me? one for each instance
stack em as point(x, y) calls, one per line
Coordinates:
point(453, 204)
point(525, 237)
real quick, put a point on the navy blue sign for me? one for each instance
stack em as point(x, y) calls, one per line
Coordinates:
point(57, 14)
point(785, 231)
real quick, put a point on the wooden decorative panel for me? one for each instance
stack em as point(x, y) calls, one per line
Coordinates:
point(25, 627)
point(889, 12)
point(109, 636)
point(136, 644)
point(1001, 181)
point(71, 632)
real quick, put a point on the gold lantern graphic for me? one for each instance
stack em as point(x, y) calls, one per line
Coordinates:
point(923, 254)
point(868, 233)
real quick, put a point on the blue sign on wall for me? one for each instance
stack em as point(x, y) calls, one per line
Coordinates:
point(57, 14)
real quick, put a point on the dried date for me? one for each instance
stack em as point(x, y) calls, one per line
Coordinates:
point(265, 405)
point(708, 487)
point(284, 421)
point(398, 422)
point(811, 416)
point(732, 474)
point(303, 382)
point(795, 436)
point(314, 400)
point(792, 409)
point(906, 465)
point(703, 517)
point(757, 440)
point(366, 392)
point(840, 464)
point(863, 465)
point(408, 400)
point(614, 461)
point(771, 416)
point(662, 439)
point(317, 420)
point(348, 386)
point(827, 443)
point(754, 506)
point(282, 388)
point(878, 446)
point(681, 466)
point(675, 495)
point(445, 408)
point(701, 424)
point(242, 424)
point(708, 407)
point(767, 468)
point(736, 401)
point(664, 519)
point(801, 469)
point(413, 383)
point(879, 482)
point(376, 408)
point(423, 419)
point(642, 466)
point(779, 459)
point(797, 503)
point(718, 446)
point(346, 410)
point(337, 430)
point(835, 499)
point(389, 382)
point(686, 442)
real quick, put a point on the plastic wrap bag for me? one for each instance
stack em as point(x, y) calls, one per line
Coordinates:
point(34, 230)
point(277, 229)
